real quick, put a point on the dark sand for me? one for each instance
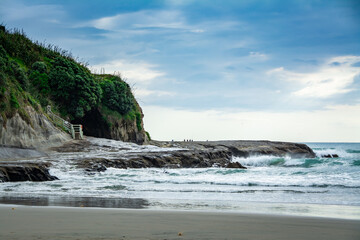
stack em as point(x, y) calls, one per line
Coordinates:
point(89, 223)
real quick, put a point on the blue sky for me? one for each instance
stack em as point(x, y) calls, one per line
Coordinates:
point(277, 70)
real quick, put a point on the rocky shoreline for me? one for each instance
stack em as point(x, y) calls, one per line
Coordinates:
point(162, 155)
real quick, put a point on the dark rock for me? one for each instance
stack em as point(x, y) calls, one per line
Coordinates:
point(167, 159)
point(235, 165)
point(15, 172)
point(246, 148)
point(330, 156)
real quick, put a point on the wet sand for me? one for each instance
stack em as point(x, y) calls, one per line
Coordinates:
point(25, 222)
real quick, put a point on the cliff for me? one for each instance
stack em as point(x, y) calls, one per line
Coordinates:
point(34, 75)
point(38, 132)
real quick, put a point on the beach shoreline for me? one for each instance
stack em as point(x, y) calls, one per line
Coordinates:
point(29, 222)
point(277, 208)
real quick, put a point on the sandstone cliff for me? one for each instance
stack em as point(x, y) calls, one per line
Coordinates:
point(38, 133)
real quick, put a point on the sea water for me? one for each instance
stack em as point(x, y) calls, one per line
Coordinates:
point(282, 185)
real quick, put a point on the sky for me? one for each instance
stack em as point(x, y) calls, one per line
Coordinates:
point(212, 70)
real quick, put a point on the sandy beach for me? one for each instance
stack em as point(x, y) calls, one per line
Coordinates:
point(24, 222)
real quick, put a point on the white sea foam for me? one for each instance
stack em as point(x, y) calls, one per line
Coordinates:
point(257, 161)
point(331, 151)
point(105, 145)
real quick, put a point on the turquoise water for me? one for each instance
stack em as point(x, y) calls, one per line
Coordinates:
point(282, 185)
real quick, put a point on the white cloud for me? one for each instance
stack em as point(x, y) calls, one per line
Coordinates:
point(142, 22)
point(258, 55)
point(138, 72)
point(140, 19)
point(338, 123)
point(335, 76)
point(14, 11)
point(145, 93)
point(197, 30)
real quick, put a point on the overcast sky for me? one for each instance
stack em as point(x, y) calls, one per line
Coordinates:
point(208, 70)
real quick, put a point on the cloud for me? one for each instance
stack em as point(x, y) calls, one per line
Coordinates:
point(139, 74)
point(146, 21)
point(258, 56)
point(140, 20)
point(197, 30)
point(14, 11)
point(342, 121)
point(133, 71)
point(334, 77)
point(146, 92)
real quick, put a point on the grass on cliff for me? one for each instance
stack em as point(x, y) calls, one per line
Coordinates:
point(39, 74)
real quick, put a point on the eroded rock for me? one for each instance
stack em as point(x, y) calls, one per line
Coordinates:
point(16, 172)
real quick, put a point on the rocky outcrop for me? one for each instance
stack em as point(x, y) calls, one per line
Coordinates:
point(247, 148)
point(193, 155)
point(15, 172)
point(39, 133)
point(167, 159)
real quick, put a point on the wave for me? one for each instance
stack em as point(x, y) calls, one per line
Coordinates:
point(203, 183)
point(356, 163)
point(342, 153)
point(228, 191)
point(260, 161)
point(352, 151)
point(269, 161)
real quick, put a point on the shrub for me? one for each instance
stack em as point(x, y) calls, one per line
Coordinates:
point(138, 120)
point(148, 135)
point(13, 101)
point(39, 67)
point(117, 95)
point(2, 64)
point(33, 102)
point(2, 51)
point(73, 87)
point(2, 92)
point(3, 58)
point(2, 79)
point(41, 82)
point(20, 74)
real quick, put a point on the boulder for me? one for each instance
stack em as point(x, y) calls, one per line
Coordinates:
point(16, 172)
point(330, 156)
point(235, 165)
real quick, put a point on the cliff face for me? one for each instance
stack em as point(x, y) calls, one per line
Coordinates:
point(39, 133)
point(96, 123)
point(126, 130)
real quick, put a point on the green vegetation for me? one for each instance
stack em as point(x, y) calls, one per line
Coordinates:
point(148, 135)
point(117, 94)
point(36, 74)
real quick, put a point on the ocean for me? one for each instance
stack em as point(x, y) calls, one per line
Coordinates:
point(324, 187)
